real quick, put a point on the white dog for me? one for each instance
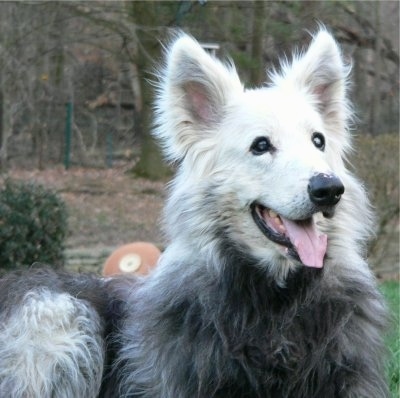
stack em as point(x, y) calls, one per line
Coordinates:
point(263, 290)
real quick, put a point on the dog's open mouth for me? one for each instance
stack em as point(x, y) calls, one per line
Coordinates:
point(301, 238)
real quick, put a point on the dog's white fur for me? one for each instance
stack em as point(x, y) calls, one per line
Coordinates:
point(51, 345)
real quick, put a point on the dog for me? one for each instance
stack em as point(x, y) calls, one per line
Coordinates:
point(263, 289)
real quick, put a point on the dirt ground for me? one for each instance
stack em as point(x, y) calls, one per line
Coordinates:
point(108, 208)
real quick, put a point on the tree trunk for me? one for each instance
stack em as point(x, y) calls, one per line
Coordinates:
point(151, 164)
point(257, 73)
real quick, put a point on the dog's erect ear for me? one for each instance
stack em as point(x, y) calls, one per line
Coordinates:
point(322, 73)
point(192, 94)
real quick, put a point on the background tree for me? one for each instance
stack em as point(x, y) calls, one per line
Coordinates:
point(100, 56)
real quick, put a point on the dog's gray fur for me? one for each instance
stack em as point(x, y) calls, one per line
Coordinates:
point(225, 313)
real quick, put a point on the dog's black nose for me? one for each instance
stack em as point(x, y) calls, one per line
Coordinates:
point(325, 189)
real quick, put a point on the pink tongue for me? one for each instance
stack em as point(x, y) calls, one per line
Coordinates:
point(310, 245)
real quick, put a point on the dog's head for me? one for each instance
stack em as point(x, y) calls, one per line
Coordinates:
point(261, 166)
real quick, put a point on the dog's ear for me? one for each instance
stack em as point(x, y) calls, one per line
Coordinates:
point(192, 94)
point(321, 72)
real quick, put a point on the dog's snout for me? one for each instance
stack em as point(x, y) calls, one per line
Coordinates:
point(325, 189)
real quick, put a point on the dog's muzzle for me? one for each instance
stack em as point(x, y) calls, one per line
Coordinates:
point(301, 238)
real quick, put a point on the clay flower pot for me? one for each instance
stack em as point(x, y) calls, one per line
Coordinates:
point(137, 257)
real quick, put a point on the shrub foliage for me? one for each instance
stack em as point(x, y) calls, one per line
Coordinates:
point(33, 225)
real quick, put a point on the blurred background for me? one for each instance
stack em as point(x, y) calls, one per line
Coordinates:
point(76, 94)
point(85, 65)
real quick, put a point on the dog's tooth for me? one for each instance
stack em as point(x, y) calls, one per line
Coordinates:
point(272, 214)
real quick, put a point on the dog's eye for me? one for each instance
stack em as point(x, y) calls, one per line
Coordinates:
point(261, 145)
point(318, 140)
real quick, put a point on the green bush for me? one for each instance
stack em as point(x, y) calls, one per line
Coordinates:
point(33, 226)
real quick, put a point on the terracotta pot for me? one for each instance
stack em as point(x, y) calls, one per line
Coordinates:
point(137, 257)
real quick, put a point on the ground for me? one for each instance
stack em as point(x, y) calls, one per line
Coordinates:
point(106, 208)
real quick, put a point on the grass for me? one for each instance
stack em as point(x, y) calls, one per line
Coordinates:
point(391, 291)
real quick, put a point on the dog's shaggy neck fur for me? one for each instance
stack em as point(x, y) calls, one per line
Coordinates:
point(239, 334)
